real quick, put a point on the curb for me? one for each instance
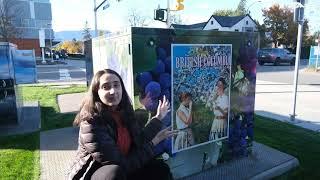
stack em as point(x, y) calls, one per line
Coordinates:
point(278, 170)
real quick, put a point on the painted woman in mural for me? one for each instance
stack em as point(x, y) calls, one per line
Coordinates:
point(220, 109)
point(185, 137)
point(240, 81)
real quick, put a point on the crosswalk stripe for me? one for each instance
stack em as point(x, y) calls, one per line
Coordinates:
point(64, 74)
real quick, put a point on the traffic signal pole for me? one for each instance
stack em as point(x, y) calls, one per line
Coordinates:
point(159, 13)
point(168, 14)
point(296, 70)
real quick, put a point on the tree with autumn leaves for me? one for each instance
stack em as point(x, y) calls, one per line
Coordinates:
point(279, 22)
point(72, 47)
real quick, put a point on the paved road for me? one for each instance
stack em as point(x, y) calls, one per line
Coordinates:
point(274, 94)
point(73, 71)
point(275, 100)
point(285, 74)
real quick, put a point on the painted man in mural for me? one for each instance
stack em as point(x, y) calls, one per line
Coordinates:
point(220, 109)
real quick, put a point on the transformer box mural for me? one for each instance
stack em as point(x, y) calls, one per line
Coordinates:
point(209, 78)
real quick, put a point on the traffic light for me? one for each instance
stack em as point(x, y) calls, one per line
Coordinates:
point(298, 15)
point(159, 14)
point(179, 5)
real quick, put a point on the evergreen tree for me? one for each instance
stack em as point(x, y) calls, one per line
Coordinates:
point(241, 9)
point(86, 32)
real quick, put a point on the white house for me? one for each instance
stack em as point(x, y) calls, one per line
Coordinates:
point(223, 23)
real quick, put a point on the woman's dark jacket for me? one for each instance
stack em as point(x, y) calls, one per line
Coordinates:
point(97, 146)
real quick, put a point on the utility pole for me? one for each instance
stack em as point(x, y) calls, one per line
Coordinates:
point(96, 7)
point(95, 19)
point(299, 18)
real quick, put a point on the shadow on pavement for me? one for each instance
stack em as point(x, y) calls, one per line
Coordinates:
point(59, 139)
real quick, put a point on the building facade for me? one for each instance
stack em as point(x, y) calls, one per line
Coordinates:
point(29, 16)
point(223, 23)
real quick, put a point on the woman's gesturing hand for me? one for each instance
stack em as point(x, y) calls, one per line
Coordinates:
point(163, 108)
point(163, 134)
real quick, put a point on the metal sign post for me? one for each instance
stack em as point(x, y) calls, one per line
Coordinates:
point(318, 52)
point(298, 17)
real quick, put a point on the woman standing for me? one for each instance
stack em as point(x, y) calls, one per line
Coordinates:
point(184, 138)
point(220, 109)
point(111, 144)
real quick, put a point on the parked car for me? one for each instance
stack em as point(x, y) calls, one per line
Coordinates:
point(275, 56)
point(56, 54)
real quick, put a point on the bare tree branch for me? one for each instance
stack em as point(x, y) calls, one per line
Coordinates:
point(136, 19)
point(8, 15)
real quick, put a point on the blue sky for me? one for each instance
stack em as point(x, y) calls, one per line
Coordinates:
point(72, 14)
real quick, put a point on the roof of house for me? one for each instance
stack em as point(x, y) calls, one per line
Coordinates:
point(191, 26)
point(228, 21)
point(224, 21)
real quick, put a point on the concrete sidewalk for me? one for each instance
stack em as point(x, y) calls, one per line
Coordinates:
point(30, 120)
point(58, 150)
point(274, 100)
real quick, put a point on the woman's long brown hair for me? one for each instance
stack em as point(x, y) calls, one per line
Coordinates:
point(92, 106)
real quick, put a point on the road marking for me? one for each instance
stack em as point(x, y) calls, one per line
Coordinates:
point(64, 74)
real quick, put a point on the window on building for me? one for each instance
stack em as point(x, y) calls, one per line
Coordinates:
point(247, 22)
point(43, 24)
point(211, 22)
point(237, 30)
point(247, 29)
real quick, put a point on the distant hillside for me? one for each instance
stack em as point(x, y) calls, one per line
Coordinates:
point(69, 35)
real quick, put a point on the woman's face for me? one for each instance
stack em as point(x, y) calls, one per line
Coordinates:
point(239, 67)
point(110, 90)
point(186, 101)
point(220, 85)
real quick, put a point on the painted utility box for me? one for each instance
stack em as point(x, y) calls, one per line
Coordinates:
point(314, 58)
point(216, 71)
point(16, 67)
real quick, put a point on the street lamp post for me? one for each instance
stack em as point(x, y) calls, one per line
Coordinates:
point(252, 5)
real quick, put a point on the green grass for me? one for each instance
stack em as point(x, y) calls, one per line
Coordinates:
point(19, 157)
point(301, 143)
point(51, 118)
